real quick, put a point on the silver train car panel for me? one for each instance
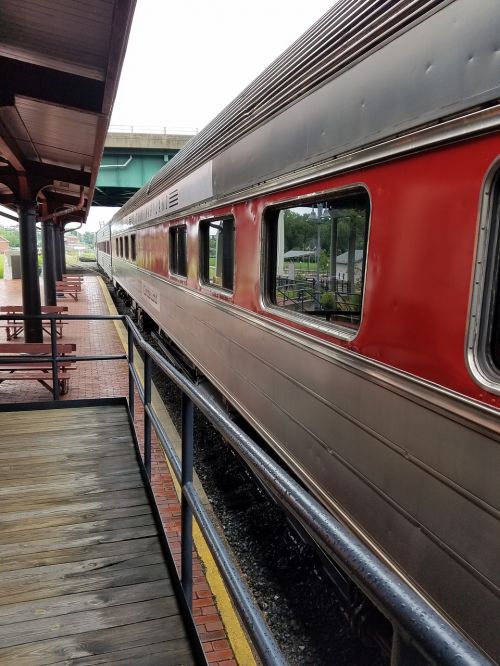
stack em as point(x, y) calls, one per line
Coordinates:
point(370, 443)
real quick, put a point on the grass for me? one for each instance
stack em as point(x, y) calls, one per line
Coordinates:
point(1, 265)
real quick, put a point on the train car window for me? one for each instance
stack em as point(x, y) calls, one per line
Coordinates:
point(116, 247)
point(488, 273)
point(133, 248)
point(126, 248)
point(121, 246)
point(315, 257)
point(178, 250)
point(217, 253)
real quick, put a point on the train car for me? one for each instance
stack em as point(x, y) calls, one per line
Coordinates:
point(326, 253)
point(103, 249)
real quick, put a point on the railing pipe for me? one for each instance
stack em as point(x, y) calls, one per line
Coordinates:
point(131, 392)
point(264, 642)
point(53, 349)
point(186, 513)
point(147, 420)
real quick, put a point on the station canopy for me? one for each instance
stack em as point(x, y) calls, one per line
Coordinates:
point(59, 68)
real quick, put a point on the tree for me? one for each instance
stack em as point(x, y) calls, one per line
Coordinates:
point(10, 234)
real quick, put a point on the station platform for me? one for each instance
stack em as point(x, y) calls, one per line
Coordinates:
point(82, 572)
point(219, 629)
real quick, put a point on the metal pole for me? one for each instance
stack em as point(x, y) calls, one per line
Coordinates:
point(147, 419)
point(333, 252)
point(405, 653)
point(318, 258)
point(57, 252)
point(29, 268)
point(186, 512)
point(49, 266)
point(63, 251)
point(351, 254)
point(131, 392)
point(53, 351)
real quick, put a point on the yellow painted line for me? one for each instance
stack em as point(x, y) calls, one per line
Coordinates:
point(234, 630)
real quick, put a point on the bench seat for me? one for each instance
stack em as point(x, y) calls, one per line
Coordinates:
point(10, 370)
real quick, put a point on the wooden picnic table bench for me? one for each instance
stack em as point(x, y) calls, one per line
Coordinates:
point(72, 278)
point(14, 328)
point(70, 288)
point(41, 372)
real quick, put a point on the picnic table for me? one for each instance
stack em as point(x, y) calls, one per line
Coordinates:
point(14, 328)
point(69, 286)
point(42, 372)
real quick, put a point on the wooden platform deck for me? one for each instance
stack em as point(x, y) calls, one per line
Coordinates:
point(82, 576)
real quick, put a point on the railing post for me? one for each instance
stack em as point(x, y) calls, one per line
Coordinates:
point(186, 513)
point(147, 420)
point(53, 348)
point(131, 393)
point(404, 652)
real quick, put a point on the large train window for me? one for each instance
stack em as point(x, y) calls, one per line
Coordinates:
point(178, 250)
point(121, 246)
point(484, 327)
point(217, 252)
point(315, 258)
point(126, 247)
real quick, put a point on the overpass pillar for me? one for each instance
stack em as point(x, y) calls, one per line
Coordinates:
point(29, 267)
point(49, 263)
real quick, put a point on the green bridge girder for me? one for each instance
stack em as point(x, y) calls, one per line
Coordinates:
point(129, 161)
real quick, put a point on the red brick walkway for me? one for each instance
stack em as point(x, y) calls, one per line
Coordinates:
point(98, 379)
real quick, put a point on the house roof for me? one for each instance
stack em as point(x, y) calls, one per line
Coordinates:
point(342, 258)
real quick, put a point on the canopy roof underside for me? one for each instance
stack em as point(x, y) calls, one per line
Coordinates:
point(60, 62)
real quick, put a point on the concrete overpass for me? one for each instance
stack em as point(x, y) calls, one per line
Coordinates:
point(130, 159)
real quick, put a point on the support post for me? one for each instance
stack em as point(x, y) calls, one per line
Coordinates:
point(351, 255)
point(147, 418)
point(63, 251)
point(57, 252)
point(404, 652)
point(29, 268)
point(186, 513)
point(131, 386)
point(333, 252)
point(49, 264)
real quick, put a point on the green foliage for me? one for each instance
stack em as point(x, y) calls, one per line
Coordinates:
point(1, 265)
point(87, 238)
point(301, 231)
point(11, 234)
point(328, 300)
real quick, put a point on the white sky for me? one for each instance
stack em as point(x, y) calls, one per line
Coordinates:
point(187, 60)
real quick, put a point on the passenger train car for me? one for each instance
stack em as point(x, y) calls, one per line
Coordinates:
point(327, 253)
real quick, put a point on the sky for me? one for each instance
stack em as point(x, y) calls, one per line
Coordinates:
point(187, 60)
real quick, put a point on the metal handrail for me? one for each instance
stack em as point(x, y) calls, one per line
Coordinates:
point(152, 129)
point(421, 633)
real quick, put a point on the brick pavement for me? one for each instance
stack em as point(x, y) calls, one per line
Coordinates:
point(97, 379)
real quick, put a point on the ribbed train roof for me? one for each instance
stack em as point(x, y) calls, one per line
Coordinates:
point(348, 32)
